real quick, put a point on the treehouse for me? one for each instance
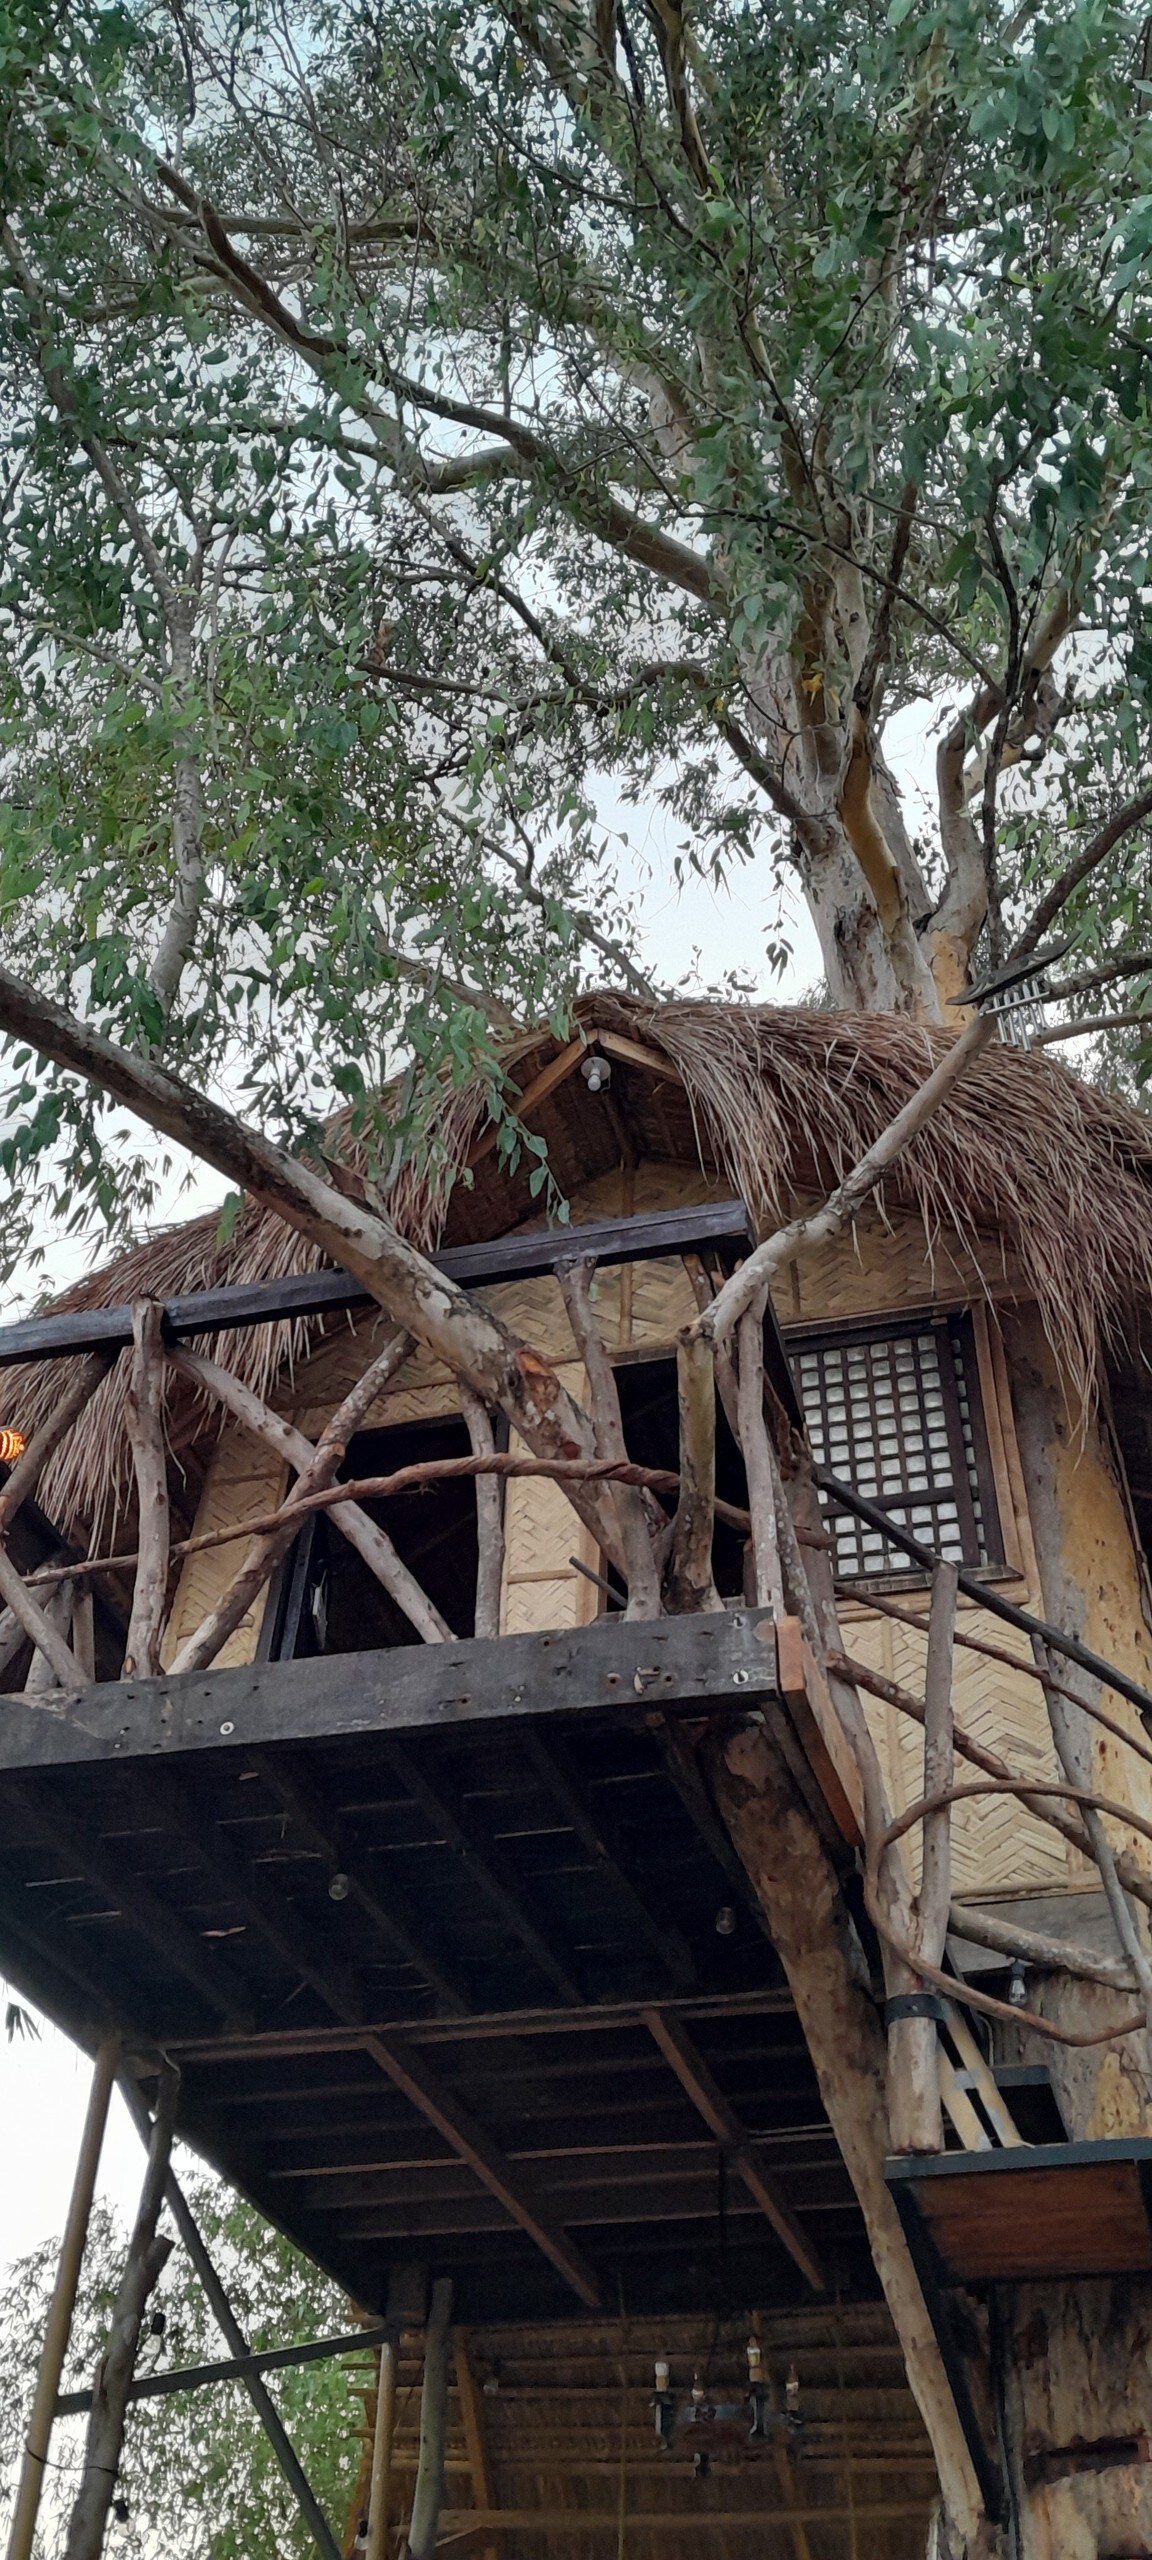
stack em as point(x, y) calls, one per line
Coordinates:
point(438, 1868)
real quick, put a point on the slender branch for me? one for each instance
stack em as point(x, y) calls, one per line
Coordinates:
point(371, 1543)
point(25, 1475)
point(473, 1340)
point(265, 1552)
point(46, 1637)
point(1091, 1023)
point(939, 1762)
point(1095, 852)
point(1127, 964)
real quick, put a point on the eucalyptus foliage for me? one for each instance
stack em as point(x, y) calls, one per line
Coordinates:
point(199, 2480)
point(417, 413)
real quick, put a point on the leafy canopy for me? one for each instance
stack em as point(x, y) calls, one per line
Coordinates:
point(416, 414)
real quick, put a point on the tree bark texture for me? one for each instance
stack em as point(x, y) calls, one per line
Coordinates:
point(145, 1404)
point(798, 1893)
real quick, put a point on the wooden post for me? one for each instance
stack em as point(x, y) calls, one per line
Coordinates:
point(688, 1578)
point(380, 2485)
point(58, 1611)
point(913, 2074)
point(237, 2344)
point(147, 2254)
point(46, 1638)
point(639, 1560)
point(149, 1457)
point(58, 2326)
point(475, 2441)
point(758, 1465)
point(428, 2495)
point(489, 1516)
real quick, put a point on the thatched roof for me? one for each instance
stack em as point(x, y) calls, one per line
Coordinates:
point(1054, 1173)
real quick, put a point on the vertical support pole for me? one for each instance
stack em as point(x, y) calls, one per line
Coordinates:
point(489, 1516)
point(237, 2344)
point(147, 2254)
point(475, 2439)
point(428, 2496)
point(380, 2487)
point(58, 2327)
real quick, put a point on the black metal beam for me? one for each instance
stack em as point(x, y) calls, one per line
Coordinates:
point(196, 2377)
point(318, 1293)
point(611, 1667)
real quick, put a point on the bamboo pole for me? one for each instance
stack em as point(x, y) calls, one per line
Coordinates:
point(237, 2344)
point(58, 2326)
point(147, 2255)
point(380, 2483)
point(636, 1544)
point(475, 2438)
point(265, 1551)
point(428, 2495)
point(489, 1517)
point(144, 1406)
point(371, 1543)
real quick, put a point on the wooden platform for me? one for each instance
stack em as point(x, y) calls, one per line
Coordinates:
point(1058, 2209)
point(454, 1957)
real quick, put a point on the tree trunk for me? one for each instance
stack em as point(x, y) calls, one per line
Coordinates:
point(798, 1893)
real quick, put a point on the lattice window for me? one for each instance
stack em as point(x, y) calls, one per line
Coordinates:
point(895, 1411)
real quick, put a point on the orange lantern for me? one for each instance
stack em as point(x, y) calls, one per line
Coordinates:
point(12, 1444)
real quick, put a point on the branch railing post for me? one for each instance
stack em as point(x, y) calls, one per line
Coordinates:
point(58, 2326)
point(759, 1470)
point(641, 1574)
point(913, 2074)
point(688, 1574)
point(144, 1404)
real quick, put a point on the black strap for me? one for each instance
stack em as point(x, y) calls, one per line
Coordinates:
point(914, 2004)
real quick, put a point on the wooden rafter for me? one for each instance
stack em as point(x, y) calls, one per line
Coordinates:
point(134, 1898)
point(553, 1763)
point(335, 1841)
point(720, 2116)
point(486, 1863)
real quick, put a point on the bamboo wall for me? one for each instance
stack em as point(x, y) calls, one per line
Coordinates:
point(879, 1269)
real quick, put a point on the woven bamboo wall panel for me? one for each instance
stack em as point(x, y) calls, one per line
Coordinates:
point(884, 1264)
point(997, 1848)
point(541, 1532)
point(245, 1479)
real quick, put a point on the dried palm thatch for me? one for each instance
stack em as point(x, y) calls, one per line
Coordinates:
point(1055, 1173)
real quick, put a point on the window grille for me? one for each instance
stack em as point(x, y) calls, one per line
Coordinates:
point(895, 1411)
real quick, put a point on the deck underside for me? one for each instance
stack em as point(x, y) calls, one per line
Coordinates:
point(422, 1930)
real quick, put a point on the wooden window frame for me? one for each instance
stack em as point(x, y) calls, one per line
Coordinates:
point(995, 1456)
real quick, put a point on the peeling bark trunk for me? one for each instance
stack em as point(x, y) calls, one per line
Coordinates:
point(798, 1893)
